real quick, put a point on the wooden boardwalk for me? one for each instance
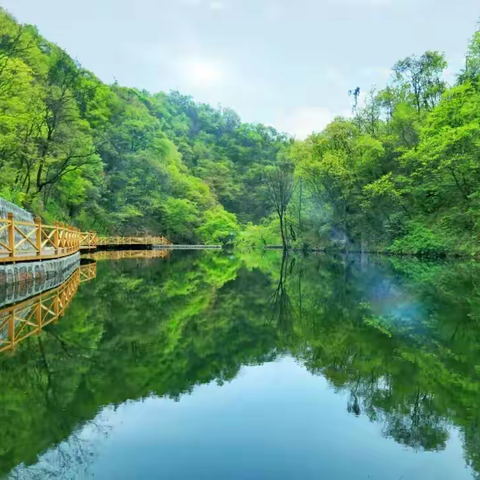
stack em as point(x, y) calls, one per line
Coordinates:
point(29, 241)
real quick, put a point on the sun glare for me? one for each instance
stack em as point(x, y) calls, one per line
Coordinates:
point(204, 73)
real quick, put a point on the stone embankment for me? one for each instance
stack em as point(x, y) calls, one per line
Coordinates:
point(21, 280)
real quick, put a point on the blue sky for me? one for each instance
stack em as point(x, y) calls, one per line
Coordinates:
point(287, 63)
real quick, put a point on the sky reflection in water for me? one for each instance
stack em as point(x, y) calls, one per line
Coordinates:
point(210, 366)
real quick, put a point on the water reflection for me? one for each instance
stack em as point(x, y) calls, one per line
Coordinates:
point(121, 254)
point(397, 339)
point(22, 320)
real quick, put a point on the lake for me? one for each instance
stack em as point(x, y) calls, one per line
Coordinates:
point(206, 365)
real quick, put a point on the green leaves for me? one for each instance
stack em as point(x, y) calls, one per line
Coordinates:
point(404, 173)
point(118, 159)
point(122, 160)
point(218, 227)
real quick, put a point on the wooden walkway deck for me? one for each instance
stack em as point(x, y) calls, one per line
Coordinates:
point(26, 241)
point(29, 241)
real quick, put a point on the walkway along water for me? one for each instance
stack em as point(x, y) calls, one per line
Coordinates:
point(22, 241)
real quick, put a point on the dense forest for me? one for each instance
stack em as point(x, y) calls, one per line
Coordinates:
point(120, 160)
point(401, 175)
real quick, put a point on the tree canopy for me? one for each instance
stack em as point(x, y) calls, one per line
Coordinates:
point(121, 160)
point(402, 174)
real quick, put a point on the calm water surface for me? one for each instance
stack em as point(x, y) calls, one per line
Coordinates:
point(207, 365)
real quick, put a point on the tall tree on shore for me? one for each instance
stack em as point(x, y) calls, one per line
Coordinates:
point(280, 183)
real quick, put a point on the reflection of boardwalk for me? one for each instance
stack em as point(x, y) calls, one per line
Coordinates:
point(120, 254)
point(29, 317)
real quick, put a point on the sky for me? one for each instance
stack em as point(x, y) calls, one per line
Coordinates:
point(285, 63)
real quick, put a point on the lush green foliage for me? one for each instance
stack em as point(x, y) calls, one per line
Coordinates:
point(121, 160)
point(403, 174)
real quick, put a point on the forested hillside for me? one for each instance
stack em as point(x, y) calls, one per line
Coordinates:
point(402, 174)
point(117, 159)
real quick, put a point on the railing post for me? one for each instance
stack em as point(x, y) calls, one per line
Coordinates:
point(56, 238)
point(11, 234)
point(38, 232)
point(61, 239)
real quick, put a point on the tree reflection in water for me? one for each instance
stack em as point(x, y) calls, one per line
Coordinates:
point(401, 336)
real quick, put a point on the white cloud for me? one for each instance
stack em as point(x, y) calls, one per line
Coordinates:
point(303, 121)
point(202, 73)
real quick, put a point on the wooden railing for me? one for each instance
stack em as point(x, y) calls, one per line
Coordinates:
point(147, 240)
point(88, 240)
point(20, 321)
point(21, 241)
point(25, 241)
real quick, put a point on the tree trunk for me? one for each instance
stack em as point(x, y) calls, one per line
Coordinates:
point(300, 200)
point(282, 231)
